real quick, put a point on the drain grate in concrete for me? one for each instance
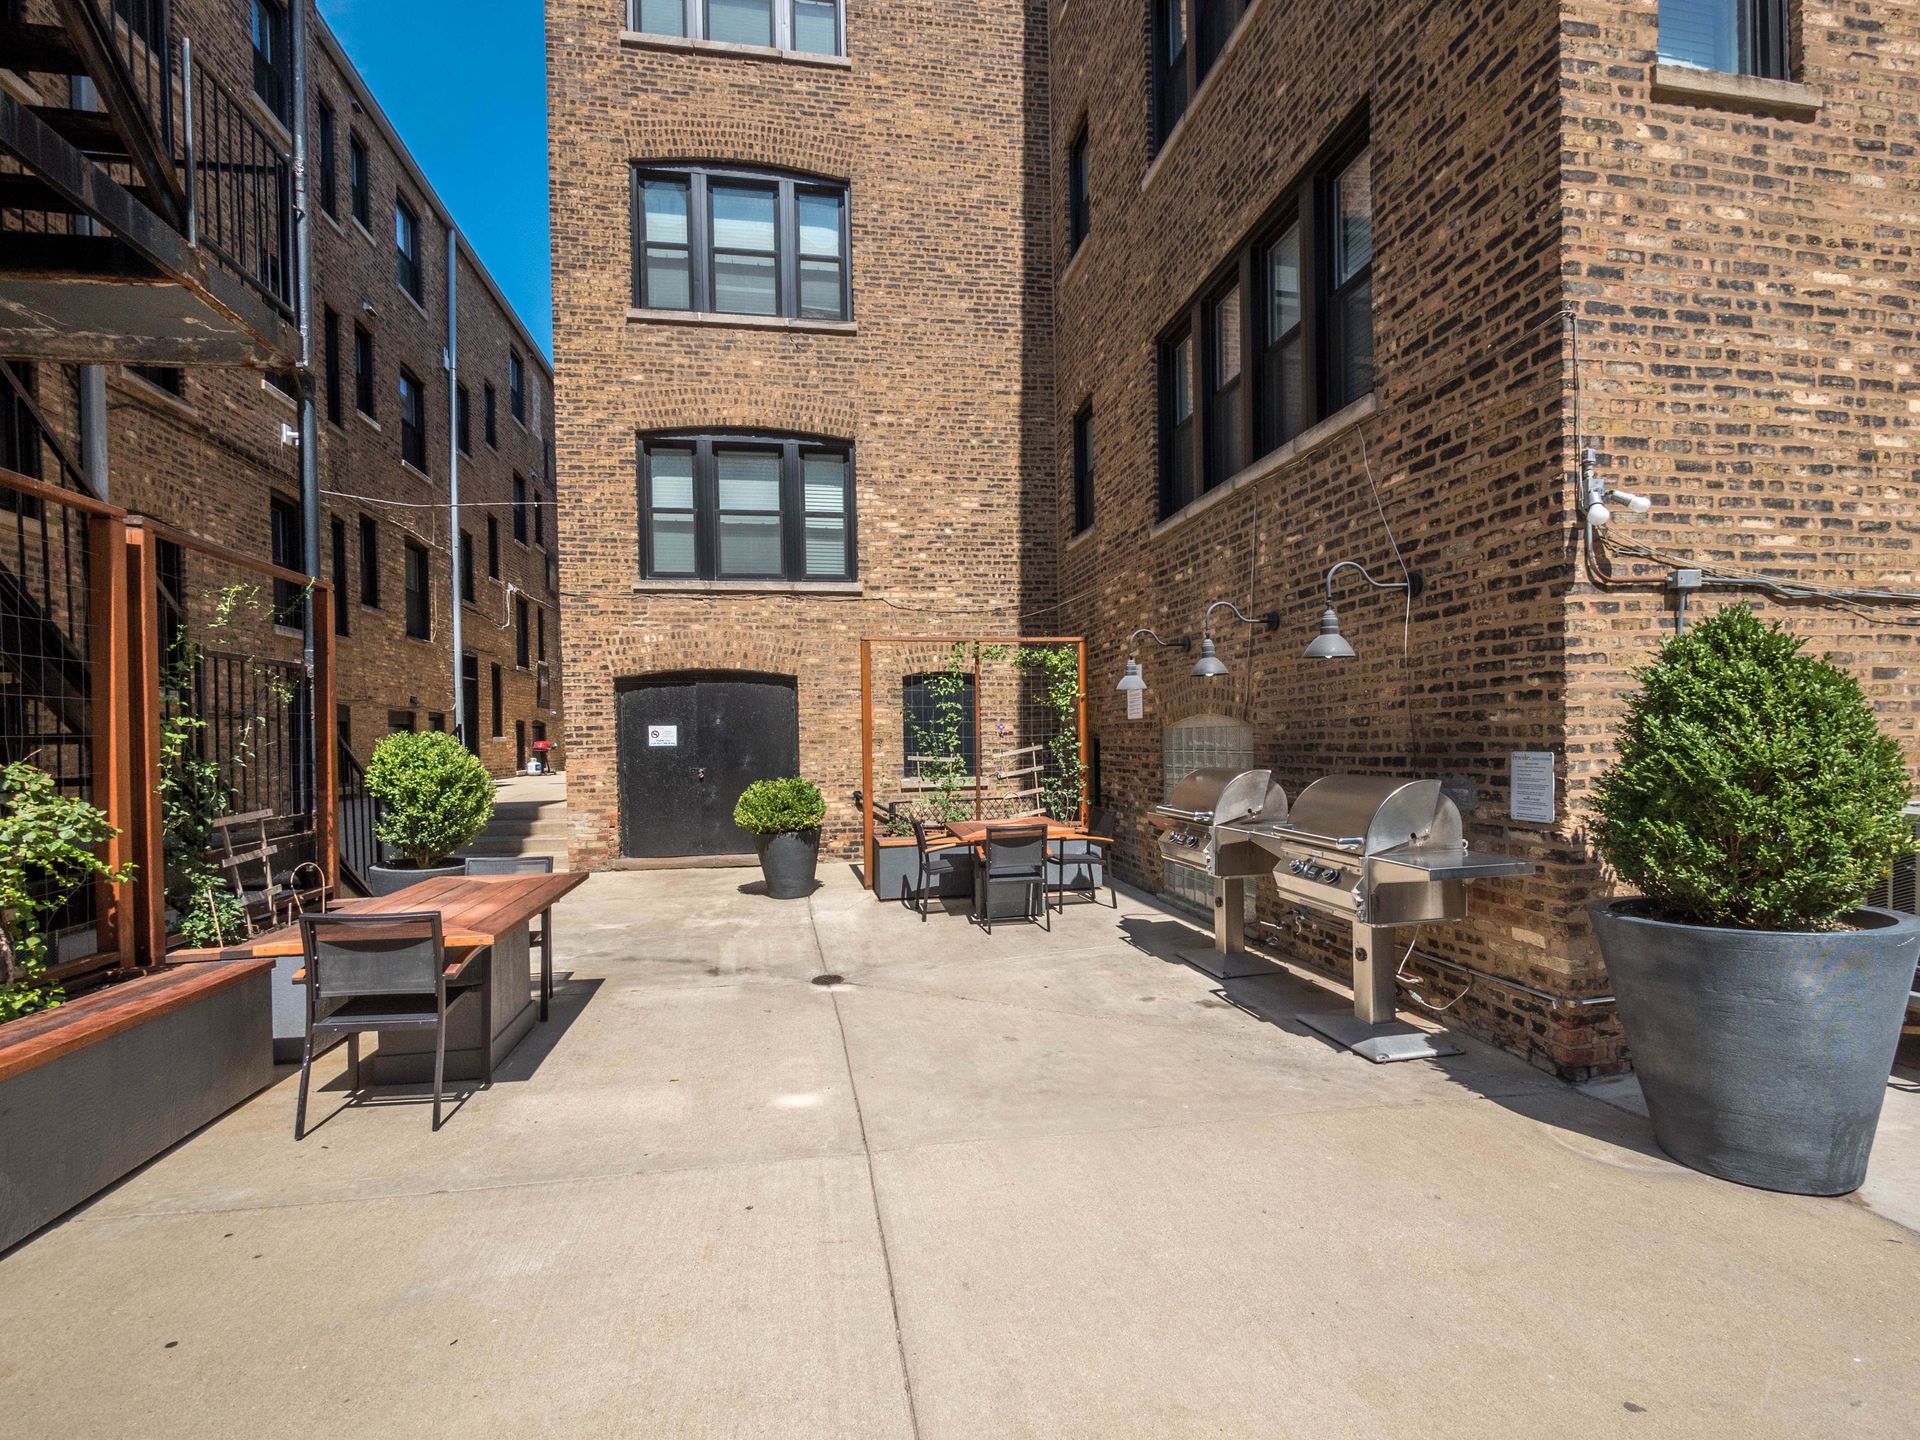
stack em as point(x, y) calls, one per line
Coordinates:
point(829, 979)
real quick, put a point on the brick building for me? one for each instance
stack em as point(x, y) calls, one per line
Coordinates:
point(213, 449)
point(1276, 285)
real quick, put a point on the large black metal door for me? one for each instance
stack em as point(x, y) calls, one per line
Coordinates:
point(688, 746)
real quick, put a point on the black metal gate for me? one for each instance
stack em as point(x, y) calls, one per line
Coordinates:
point(689, 744)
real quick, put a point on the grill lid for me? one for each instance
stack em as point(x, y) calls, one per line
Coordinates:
point(1198, 792)
point(1368, 814)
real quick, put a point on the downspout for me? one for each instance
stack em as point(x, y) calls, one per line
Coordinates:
point(462, 721)
point(92, 387)
point(303, 371)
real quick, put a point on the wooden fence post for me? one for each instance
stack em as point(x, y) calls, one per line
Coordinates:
point(112, 722)
point(147, 704)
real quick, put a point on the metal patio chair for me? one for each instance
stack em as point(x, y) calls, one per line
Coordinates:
point(370, 974)
point(541, 939)
point(938, 858)
point(1081, 853)
point(1015, 854)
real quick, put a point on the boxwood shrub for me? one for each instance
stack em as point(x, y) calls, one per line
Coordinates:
point(780, 807)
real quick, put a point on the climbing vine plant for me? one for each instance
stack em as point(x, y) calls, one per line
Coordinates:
point(939, 732)
point(945, 762)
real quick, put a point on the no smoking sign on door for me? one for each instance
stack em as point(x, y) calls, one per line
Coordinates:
point(663, 736)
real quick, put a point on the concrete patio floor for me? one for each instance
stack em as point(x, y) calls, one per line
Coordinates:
point(1020, 1185)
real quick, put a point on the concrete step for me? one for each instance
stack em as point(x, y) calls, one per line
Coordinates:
point(518, 845)
point(557, 827)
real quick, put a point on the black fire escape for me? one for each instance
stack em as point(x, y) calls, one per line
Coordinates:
point(146, 210)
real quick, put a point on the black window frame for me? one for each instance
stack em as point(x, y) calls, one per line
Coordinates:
point(705, 514)
point(492, 415)
point(540, 633)
point(419, 587)
point(700, 253)
point(369, 562)
point(330, 353)
point(364, 393)
point(499, 687)
point(360, 180)
point(408, 271)
point(917, 717)
point(329, 128)
point(493, 547)
point(337, 536)
point(539, 503)
point(287, 548)
point(170, 379)
point(1177, 72)
point(463, 417)
point(1083, 469)
point(522, 633)
point(1763, 40)
point(469, 581)
point(1193, 461)
point(272, 68)
point(516, 385)
point(1079, 193)
point(519, 508)
point(782, 26)
point(413, 419)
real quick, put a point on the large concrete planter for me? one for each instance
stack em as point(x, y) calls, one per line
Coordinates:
point(96, 1088)
point(789, 862)
point(390, 879)
point(1763, 1055)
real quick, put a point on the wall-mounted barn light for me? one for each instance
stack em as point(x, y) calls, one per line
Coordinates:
point(1210, 666)
point(1330, 644)
point(1133, 680)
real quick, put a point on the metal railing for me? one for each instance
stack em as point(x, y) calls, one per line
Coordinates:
point(143, 45)
point(359, 848)
point(241, 187)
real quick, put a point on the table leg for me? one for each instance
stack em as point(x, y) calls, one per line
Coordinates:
point(546, 963)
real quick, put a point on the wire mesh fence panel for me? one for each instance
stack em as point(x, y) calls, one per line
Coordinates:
point(971, 729)
point(48, 645)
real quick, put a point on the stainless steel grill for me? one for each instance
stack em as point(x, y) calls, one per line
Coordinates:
point(1379, 854)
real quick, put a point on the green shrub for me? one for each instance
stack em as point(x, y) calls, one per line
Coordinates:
point(1754, 788)
point(434, 796)
point(49, 847)
point(780, 807)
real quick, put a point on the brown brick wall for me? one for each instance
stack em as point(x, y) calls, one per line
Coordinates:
point(937, 125)
point(209, 461)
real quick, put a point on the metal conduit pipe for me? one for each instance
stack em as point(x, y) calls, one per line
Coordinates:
point(1572, 1002)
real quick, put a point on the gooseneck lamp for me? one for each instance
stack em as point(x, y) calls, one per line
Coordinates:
point(1133, 680)
point(1210, 666)
point(1330, 644)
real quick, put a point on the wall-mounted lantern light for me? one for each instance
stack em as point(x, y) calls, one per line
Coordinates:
point(1330, 644)
point(1210, 666)
point(1133, 680)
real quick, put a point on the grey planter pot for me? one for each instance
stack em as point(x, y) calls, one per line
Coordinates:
point(389, 879)
point(789, 863)
point(1763, 1054)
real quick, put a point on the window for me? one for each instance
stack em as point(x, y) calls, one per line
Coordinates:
point(413, 420)
point(329, 162)
point(19, 438)
point(337, 532)
point(343, 725)
point(1188, 37)
point(740, 242)
point(1737, 37)
point(289, 553)
point(493, 547)
point(369, 562)
point(363, 371)
point(468, 586)
point(462, 418)
point(1083, 469)
point(406, 249)
point(1283, 378)
point(330, 355)
point(746, 508)
point(1295, 305)
point(1176, 422)
point(419, 592)
point(284, 382)
point(812, 26)
point(540, 634)
point(270, 68)
point(492, 417)
point(539, 519)
point(1350, 302)
point(170, 378)
point(522, 635)
point(399, 721)
point(360, 180)
point(520, 507)
point(436, 720)
point(1079, 210)
point(499, 703)
point(939, 730)
point(1223, 449)
point(517, 385)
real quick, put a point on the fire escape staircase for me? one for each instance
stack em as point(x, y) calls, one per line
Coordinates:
point(145, 209)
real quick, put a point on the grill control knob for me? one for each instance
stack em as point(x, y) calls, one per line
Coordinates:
point(1298, 867)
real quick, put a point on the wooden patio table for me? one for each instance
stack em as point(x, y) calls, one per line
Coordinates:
point(477, 912)
point(973, 834)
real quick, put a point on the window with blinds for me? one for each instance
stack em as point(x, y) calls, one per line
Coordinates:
point(746, 507)
point(1736, 37)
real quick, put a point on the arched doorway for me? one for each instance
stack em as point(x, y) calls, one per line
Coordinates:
point(689, 742)
point(1194, 744)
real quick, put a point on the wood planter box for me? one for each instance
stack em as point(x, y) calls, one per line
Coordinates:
point(95, 1088)
point(896, 866)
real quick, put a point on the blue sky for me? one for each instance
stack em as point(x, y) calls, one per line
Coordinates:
point(465, 84)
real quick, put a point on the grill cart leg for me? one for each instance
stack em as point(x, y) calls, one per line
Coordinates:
point(1373, 1031)
point(1228, 959)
